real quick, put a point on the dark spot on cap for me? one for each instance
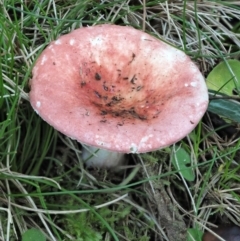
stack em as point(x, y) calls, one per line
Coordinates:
point(133, 79)
point(139, 87)
point(83, 83)
point(97, 94)
point(103, 112)
point(97, 76)
point(105, 97)
point(105, 87)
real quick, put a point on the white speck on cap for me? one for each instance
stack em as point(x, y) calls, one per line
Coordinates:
point(38, 104)
point(193, 84)
point(163, 143)
point(101, 143)
point(144, 140)
point(72, 41)
point(58, 42)
point(145, 143)
point(96, 41)
point(44, 59)
point(133, 148)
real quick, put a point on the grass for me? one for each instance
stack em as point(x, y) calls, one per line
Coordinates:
point(43, 183)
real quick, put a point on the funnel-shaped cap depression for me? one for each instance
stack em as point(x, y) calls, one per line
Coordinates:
point(118, 88)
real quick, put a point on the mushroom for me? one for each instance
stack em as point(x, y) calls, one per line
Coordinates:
point(118, 89)
point(228, 233)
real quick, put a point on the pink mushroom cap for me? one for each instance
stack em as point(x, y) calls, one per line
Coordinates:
point(118, 88)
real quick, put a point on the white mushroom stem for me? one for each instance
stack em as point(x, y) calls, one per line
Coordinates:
point(95, 157)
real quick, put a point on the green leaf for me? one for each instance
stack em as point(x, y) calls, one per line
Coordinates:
point(225, 77)
point(33, 234)
point(194, 234)
point(182, 161)
point(227, 108)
